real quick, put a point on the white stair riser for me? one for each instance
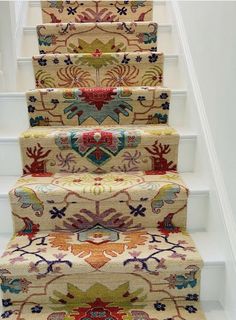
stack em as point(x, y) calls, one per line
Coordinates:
point(13, 109)
point(30, 42)
point(172, 74)
point(212, 282)
point(10, 157)
point(196, 208)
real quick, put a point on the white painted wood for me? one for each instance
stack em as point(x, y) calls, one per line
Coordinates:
point(220, 224)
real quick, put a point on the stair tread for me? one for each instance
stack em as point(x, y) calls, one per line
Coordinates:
point(161, 310)
point(101, 186)
point(98, 248)
point(126, 199)
point(42, 132)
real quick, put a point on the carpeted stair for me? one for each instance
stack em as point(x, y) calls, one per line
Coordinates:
point(100, 211)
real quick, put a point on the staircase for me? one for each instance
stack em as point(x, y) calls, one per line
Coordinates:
point(100, 214)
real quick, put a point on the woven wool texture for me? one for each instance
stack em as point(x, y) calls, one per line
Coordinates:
point(96, 106)
point(96, 11)
point(100, 211)
point(123, 199)
point(96, 69)
point(99, 149)
point(99, 37)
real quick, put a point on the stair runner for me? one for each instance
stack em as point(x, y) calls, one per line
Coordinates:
point(100, 211)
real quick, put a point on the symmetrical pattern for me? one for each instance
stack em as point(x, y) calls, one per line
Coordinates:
point(96, 11)
point(97, 37)
point(98, 69)
point(96, 106)
point(113, 200)
point(99, 149)
point(100, 211)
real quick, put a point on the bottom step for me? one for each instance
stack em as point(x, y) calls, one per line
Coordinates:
point(99, 309)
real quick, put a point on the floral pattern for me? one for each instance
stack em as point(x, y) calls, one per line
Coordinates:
point(91, 106)
point(83, 38)
point(98, 69)
point(115, 200)
point(100, 212)
point(97, 149)
point(96, 11)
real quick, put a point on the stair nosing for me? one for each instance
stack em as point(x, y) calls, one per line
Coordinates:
point(164, 27)
point(167, 58)
point(21, 94)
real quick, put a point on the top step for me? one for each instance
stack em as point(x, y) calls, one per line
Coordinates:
point(96, 11)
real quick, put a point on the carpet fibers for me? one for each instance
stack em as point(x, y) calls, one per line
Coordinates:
point(100, 210)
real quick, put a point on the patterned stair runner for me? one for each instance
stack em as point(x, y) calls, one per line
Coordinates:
point(96, 69)
point(84, 38)
point(95, 106)
point(100, 211)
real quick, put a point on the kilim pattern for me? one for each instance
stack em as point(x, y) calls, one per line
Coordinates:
point(100, 210)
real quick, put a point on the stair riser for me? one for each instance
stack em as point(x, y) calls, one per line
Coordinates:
point(34, 17)
point(11, 159)
point(172, 77)
point(115, 200)
point(96, 150)
point(125, 69)
point(30, 47)
point(18, 106)
point(123, 210)
point(196, 208)
point(98, 106)
point(92, 37)
point(102, 11)
point(149, 287)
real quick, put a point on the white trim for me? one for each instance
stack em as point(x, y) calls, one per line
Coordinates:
point(229, 220)
point(226, 214)
point(20, 21)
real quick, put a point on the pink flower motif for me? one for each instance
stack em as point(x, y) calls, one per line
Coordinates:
point(17, 259)
point(59, 255)
point(132, 159)
point(137, 267)
point(176, 255)
point(135, 254)
point(152, 247)
point(172, 281)
point(57, 270)
point(161, 264)
point(13, 246)
point(33, 268)
point(7, 253)
point(182, 242)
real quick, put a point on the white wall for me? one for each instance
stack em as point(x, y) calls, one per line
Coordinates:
point(211, 32)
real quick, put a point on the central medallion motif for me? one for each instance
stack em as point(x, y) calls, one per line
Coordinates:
point(98, 145)
point(98, 234)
